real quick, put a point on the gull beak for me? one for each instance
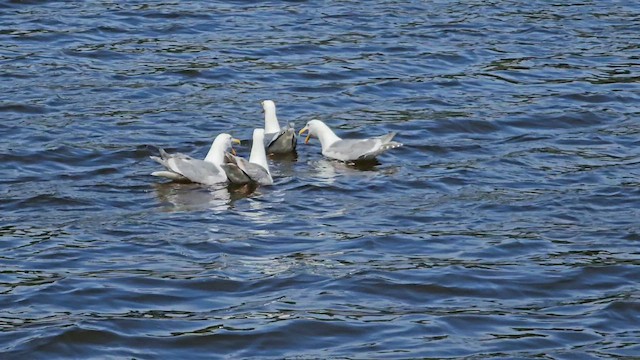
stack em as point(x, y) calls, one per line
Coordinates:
point(234, 141)
point(306, 140)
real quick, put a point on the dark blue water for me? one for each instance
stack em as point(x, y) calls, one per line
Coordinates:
point(506, 227)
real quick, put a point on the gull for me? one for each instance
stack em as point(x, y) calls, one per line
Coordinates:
point(185, 168)
point(348, 149)
point(276, 140)
point(241, 171)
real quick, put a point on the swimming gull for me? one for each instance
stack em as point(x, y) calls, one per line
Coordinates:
point(348, 149)
point(241, 171)
point(277, 141)
point(185, 168)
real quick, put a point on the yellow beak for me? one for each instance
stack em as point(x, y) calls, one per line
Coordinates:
point(306, 140)
point(234, 141)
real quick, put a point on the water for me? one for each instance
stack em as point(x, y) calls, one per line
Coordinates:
point(506, 227)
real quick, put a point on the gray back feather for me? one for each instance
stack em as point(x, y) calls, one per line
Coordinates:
point(361, 149)
point(282, 142)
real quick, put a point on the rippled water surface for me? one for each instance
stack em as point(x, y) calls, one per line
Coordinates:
point(506, 227)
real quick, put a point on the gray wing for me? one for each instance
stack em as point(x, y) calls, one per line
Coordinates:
point(253, 171)
point(195, 170)
point(361, 149)
point(387, 144)
point(282, 142)
point(169, 175)
point(233, 171)
point(165, 157)
point(235, 174)
point(258, 174)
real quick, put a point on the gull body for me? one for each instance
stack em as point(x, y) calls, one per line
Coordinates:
point(277, 140)
point(183, 167)
point(256, 170)
point(348, 149)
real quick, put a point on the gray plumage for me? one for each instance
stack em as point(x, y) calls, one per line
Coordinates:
point(277, 140)
point(256, 169)
point(184, 167)
point(348, 149)
point(360, 149)
point(281, 142)
point(241, 171)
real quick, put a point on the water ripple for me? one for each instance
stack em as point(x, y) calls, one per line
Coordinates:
point(504, 228)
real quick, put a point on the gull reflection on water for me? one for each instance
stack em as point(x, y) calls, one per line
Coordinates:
point(179, 196)
point(186, 197)
point(176, 196)
point(326, 171)
point(262, 213)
